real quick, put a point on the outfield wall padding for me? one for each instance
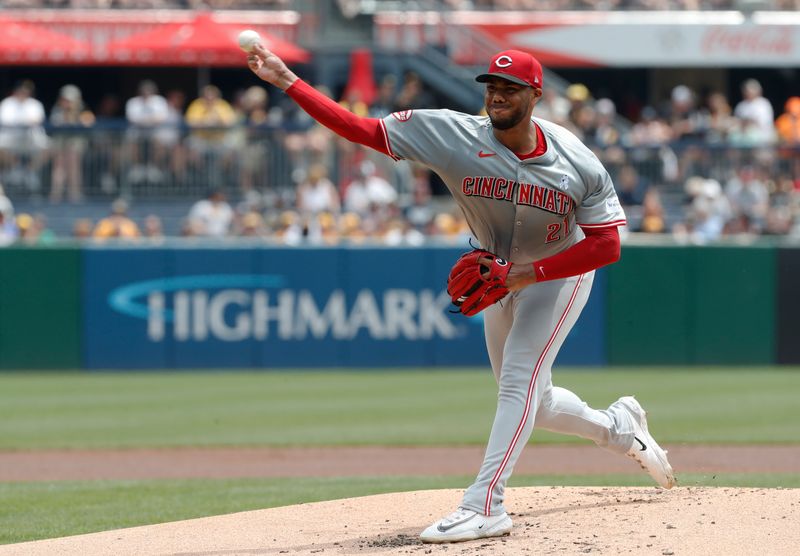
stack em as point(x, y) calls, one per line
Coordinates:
point(118, 307)
point(650, 315)
point(40, 308)
point(693, 305)
point(734, 303)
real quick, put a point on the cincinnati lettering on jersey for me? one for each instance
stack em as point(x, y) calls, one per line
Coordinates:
point(521, 193)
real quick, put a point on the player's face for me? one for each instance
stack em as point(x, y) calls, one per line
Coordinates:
point(508, 103)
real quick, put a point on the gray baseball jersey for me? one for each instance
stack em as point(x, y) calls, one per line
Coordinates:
point(522, 210)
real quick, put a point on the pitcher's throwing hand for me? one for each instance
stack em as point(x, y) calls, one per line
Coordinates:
point(269, 67)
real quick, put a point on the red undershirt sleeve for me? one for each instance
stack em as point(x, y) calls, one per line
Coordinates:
point(364, 131)
point(600, 247)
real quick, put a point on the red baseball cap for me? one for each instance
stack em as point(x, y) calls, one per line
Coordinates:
point(516, 66)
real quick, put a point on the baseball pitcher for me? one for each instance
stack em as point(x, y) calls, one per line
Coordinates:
point(545, 213)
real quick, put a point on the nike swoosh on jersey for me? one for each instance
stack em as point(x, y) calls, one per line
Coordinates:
point(485, 155)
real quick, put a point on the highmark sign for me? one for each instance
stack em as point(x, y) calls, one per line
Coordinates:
point(190, 308)
point(241, 307)
point(273, 307)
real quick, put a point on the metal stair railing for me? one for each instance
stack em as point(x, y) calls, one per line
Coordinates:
point(440, 74)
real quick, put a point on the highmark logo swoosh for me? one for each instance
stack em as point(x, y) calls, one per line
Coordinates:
point(130, 299)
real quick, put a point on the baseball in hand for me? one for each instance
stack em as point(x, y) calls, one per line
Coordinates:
point(247, 39)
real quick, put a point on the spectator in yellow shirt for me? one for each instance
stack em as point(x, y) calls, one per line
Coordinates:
point(117, 224)
point(212, 141)
point(211, 118)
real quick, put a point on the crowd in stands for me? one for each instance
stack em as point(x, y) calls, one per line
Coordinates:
point(727, 169)
point(698, 166)
point(353, 6)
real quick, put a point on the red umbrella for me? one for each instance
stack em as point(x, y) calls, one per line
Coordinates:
point(201, 42)
point(29, 43)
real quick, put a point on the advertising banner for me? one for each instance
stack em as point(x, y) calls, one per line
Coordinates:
point(603, 38)
point(648, 44)
point(288, 308)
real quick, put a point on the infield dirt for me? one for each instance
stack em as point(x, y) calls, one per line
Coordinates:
point(238, 462)
point(547, 520)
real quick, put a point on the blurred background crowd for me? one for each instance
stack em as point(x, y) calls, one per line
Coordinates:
point(697, 166)
point(232, 158)
point(497, 5)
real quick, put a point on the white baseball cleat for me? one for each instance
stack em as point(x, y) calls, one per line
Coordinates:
point(466, 525)
point(645, 450)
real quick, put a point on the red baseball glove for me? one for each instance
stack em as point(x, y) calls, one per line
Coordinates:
point(477, 280)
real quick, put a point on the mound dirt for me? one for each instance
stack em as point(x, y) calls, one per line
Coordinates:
point(547, 520)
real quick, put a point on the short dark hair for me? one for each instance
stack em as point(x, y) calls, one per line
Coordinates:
point(24, 84)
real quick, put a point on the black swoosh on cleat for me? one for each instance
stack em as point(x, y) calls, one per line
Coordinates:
point(643, 447)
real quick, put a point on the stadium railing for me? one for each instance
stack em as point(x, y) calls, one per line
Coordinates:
point(180, 163)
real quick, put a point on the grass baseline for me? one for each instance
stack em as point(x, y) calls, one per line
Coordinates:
point(382, 407)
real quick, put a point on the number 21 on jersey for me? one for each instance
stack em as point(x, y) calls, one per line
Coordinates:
point(555, 231)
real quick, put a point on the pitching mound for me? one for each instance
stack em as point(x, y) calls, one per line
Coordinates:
point(548, 520)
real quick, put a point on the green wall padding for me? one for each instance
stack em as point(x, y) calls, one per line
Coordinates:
point(648, 307)
point(39, 308)
point(692, 305)
point(667, 305)
point(734, 303)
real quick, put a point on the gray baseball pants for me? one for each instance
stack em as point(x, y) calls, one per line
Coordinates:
point(523, 335)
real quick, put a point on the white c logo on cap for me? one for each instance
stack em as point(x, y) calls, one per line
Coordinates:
point(500, 63)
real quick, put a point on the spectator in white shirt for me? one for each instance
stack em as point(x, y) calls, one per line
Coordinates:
point(749, 194)
point(6, 207)
point(22, 135)
point(22, 118)
point(211, 217)
point(148, 117)
point(8, 231)
point(367, 189)
point(756, 112)
point(317, 193)
point(149, 109)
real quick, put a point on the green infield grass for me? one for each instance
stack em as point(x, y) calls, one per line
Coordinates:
point(386, 407)
point(31, 511)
